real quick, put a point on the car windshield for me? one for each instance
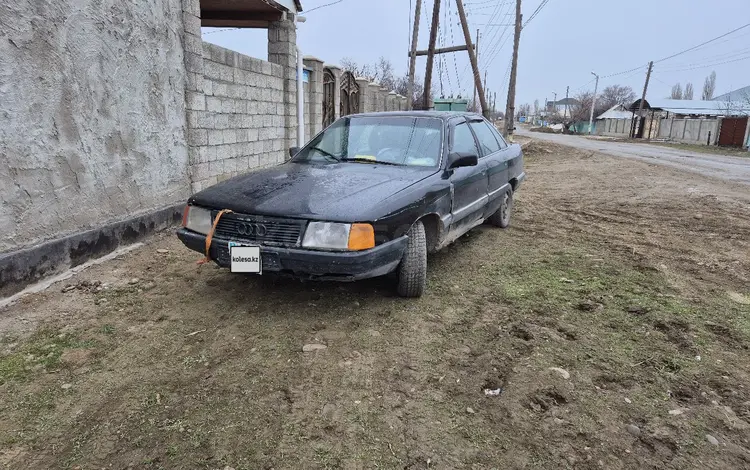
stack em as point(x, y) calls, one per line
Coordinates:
point(395, 140)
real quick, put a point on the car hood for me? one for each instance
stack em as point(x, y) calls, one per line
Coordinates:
point(343, 192)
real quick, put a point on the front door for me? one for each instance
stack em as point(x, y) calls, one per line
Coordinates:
point(468, 184)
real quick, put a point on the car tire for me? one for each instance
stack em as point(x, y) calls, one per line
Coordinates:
point(501, 217)
point(412, 271)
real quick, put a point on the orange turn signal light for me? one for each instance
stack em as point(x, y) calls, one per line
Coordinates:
point(361, 237)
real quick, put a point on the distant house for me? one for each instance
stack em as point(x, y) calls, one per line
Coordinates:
point(714, 122)
point(563, 107)
point(614, 122)
point(740, 95)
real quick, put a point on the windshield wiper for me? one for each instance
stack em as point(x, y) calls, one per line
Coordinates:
point(326, 153)
point(374, 162)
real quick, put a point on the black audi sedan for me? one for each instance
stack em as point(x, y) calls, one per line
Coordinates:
point(372, 194)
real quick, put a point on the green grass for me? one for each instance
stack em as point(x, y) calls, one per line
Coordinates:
point(42, 351)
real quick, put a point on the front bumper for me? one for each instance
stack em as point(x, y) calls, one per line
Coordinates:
point(309, 264)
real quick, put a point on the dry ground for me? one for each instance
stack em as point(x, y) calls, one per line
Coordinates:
point(633, 278)
point(710, 149)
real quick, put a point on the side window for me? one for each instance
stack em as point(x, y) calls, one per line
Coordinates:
point(486, 137)
point(463, 140)
point(500, 138)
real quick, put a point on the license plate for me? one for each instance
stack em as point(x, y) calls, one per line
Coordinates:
point(245, 259)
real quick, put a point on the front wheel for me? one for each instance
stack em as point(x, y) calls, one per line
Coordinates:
point(501, 218)
point(412, 272)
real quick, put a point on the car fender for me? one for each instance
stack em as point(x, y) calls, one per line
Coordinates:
point(430, 197)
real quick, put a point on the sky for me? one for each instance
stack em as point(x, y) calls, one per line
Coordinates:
point(562, 44)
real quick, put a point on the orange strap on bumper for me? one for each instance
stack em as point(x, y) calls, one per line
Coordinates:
point(210, 236)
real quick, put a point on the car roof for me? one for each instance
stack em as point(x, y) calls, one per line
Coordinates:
point(444, 115)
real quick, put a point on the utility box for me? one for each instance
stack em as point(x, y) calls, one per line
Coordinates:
point(451, 104)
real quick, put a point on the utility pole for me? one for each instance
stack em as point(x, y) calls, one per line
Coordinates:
point(475, 83)
point(485, 81)
point(643, 97)
point(593, 104)
point(431, 54)
point(472, 56)
point(510, 106)
point(567, 90)
point(413, 56)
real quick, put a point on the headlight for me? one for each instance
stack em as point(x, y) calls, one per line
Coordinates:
point(198, 220)
point(335, 236)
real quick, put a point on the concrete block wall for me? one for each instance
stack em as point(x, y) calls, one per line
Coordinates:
point(282, 50)
point(242, 125)
point(691, 131)
point(313, 97)
point(613, 127)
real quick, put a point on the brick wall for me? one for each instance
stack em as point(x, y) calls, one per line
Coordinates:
point(242, 125)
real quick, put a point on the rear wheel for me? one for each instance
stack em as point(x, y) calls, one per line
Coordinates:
point(412, 272)
point(501, 218)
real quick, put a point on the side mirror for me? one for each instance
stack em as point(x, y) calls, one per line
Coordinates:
point(459, 159)
point(293, 151)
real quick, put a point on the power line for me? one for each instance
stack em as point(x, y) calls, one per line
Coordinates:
point(715, 58)
point(455, 62)
point(492, 59)
point(536, 12)
point(492, 49)
point(220, 30)
point(442, 40)
point(489, 51)
point(709, 65)
point(499, 47)
point(499, 43)
point(624, 71)
point(322, 6)
point(679, 53)
point(441, 59)
point(702, 44)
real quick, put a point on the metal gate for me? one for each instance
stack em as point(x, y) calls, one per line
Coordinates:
point(349, 94)
point(329, 114)
point(732, 132)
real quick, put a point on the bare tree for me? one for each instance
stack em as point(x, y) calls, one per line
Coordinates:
point(580, 111)
point(359, 70)
point(676, 92)
point(688, 94)
point(709, 87)
point(382, 72)
point(524, 110)
point(615, 94)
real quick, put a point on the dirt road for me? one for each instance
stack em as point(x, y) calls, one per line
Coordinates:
point(611, 324)
point(726, 167)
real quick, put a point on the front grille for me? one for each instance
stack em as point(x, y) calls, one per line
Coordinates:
point(259, 230)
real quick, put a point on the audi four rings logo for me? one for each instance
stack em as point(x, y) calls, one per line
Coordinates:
point(256, 230)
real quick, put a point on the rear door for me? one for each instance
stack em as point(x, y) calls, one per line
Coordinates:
point(511, 154)
point(496, 156)
point(468, 184)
